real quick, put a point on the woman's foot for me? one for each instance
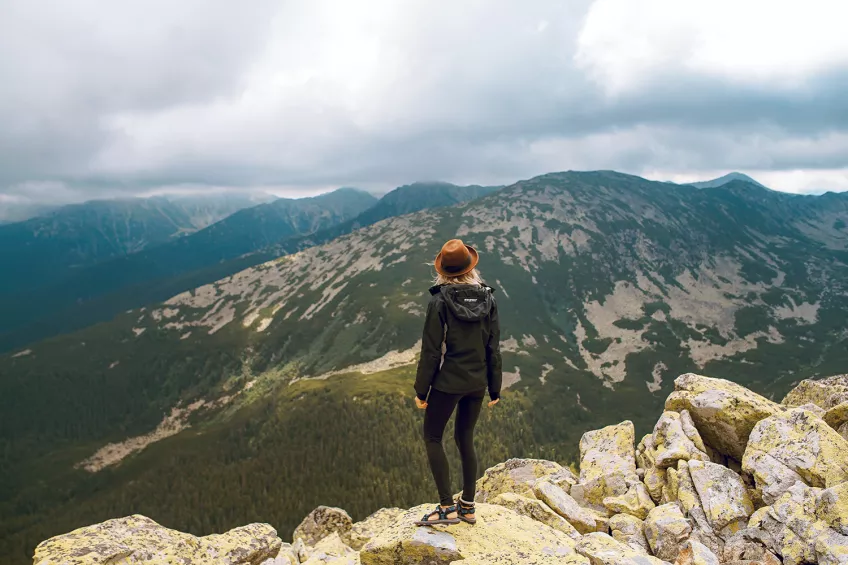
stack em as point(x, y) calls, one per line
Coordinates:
point(447, 515)
point(466, 511)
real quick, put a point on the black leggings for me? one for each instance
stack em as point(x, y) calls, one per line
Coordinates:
point(440, 406)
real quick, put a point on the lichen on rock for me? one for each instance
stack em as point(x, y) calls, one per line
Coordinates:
point(322, 522)
point(723, 412)
point(792, 447)
point(519, 475)
point(139, 540)
point(500, 537)
point(607, 463)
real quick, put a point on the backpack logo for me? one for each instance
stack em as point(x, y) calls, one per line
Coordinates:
point(470, 299)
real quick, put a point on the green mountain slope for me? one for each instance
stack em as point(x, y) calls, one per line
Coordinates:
point(57, 306)
point(44, 250)
point(609, 285)
point(247, 238)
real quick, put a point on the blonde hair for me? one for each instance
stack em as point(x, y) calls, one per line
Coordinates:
point(471, 277)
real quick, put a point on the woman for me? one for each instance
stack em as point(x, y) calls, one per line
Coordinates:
point(462, 322)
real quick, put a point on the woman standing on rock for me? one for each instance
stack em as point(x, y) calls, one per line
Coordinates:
point(460, 359)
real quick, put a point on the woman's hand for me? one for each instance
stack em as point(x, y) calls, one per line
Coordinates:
point(493, 402)
point(421, 404)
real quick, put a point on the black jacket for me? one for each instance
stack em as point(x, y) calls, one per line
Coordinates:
point(465, 318)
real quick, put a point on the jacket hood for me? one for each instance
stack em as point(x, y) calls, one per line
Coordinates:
point(467, 302)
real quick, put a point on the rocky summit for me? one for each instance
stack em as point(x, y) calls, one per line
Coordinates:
point(726, 476)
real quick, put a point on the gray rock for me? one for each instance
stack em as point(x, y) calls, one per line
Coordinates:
point(630, 531)
point(537, 510)
point(602, 549)
point(563, 504)
point(322, 522)
point(667, 530)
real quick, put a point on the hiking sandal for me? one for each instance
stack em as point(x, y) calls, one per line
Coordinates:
point(442, 519)
point(464, 509)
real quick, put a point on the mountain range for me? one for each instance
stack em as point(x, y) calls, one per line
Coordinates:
point(35, 309)
point(46, 249)
point(287, 384)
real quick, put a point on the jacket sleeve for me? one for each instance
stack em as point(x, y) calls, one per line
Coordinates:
point(494, 371)
point(431, 349)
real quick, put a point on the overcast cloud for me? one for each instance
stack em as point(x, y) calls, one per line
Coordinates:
point(103, 98)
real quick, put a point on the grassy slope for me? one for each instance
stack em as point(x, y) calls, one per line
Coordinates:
point(351, 441)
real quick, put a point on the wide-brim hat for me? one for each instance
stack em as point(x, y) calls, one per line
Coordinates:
point(456, 259)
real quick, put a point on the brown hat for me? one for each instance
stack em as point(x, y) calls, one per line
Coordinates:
point(456, 259)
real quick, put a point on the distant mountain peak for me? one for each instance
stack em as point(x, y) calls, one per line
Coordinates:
point(723, 180)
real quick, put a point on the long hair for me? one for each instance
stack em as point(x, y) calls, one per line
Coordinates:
point(471, 277)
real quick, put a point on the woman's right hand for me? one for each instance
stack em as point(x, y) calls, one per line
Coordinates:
point(493, 402)
point(421, 404)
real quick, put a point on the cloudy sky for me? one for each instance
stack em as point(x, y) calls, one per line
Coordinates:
point(103, 98)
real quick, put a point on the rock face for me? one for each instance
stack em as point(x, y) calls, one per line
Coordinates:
point(726, 476)
point(138, 539)
point(500, 536)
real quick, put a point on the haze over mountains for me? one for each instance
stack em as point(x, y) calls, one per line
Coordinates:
point(289, 372)
point(40, 301)
point(47, 248)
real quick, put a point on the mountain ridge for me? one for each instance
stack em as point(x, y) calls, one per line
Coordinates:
point(724, 179)
point(251, 237)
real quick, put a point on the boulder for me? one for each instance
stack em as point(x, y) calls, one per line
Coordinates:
point(667, 529)
point(519, 475)
point(843, 431)
point(630, 531)
point(795, 446)
point(722, 495)
point(695, 553)
point(656, 482)
point(837, 416)
point(286, 556)
point(750, 544)
point(723, 412)
point(687, 494)
point(300, 550)
point(796, 533)
point(832, 549)
point(363, 531)
point(832, 507)
point(672, 443)
point(500, 536)
point(825, 393)
point(537, 510)
point(331, 550)
point(139, 540)
point(322, 522)
point(563, 504)
point(607, 462)
point(602, 549)
point(636, 502)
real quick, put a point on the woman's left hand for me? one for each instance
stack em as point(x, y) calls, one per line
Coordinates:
point(492, 403)
point(421, 404)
